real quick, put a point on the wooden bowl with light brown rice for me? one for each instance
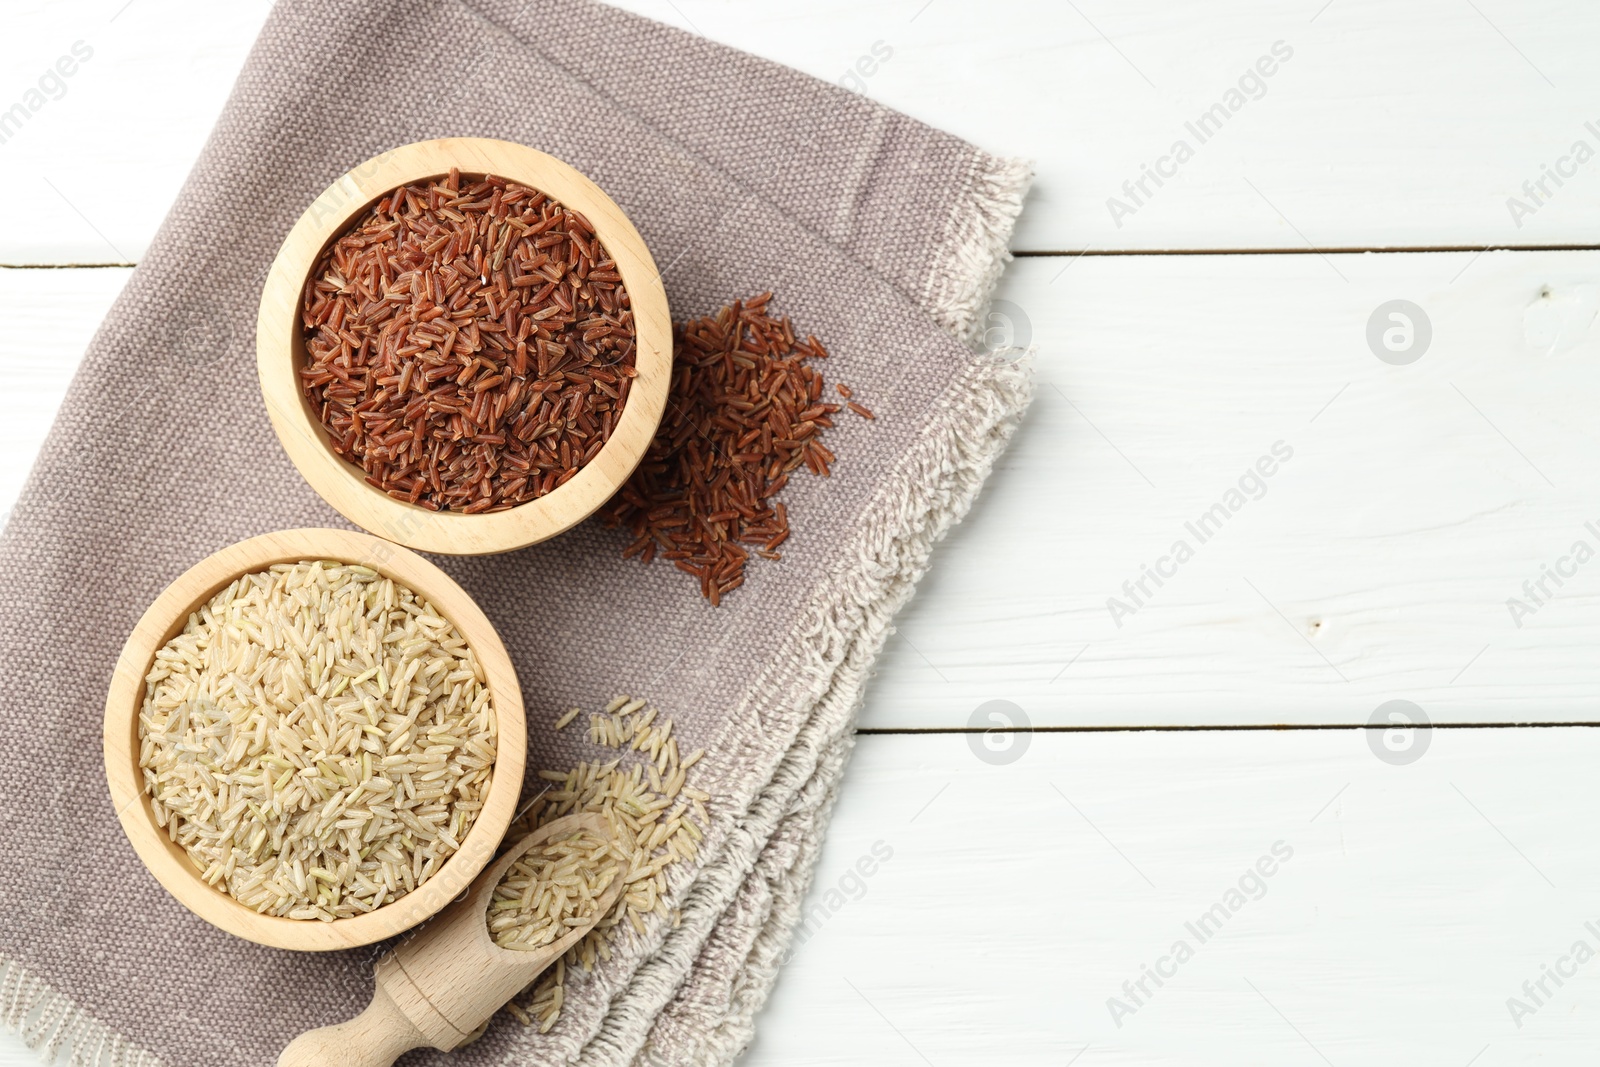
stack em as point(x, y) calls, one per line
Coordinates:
point(456, 671)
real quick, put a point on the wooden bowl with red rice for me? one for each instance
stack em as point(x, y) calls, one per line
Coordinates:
point(464, 346)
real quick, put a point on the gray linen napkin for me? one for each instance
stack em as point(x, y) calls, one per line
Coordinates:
point(877, 234)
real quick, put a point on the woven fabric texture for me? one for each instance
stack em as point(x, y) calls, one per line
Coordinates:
point(877, 234)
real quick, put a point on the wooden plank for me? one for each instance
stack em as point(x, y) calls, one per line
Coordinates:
point(1378, 561)
point(1017, 900)
point(1377, 564)
point(1390, 125)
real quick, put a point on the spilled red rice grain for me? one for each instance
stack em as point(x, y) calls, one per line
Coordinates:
point(469, 343)
point(744, 413)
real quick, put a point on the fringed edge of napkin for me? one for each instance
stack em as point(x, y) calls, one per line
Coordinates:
point(833, 649)
point(975, 249)
point(789, 819)
point(48, 1021)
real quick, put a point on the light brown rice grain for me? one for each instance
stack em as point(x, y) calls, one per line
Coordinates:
point(260, 726)
point(652, 829)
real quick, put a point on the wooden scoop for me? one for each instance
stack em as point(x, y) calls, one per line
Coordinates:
point(439, 987)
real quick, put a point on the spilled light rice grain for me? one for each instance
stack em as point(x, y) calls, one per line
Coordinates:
point(318, 739)
point(552, 888)
point(657, 820)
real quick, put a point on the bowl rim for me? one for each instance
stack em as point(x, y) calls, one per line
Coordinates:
point(280, 351)
point(167, 616)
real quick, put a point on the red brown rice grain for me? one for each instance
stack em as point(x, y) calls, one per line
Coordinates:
point(469, 343)
point(744, 413)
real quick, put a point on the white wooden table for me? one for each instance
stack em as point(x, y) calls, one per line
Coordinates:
point(1397, 152)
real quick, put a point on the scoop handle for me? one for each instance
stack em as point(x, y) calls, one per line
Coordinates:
point(375, 1038)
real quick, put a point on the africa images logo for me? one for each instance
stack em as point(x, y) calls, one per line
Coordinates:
point(1251, 885)
point(1251, 485)
point(51, 85)
point(1251, 85)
